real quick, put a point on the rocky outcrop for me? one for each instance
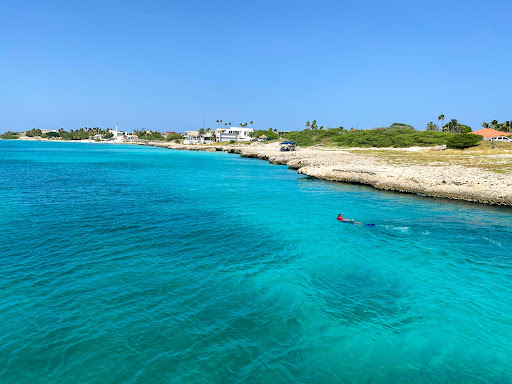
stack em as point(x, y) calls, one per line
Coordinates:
point(430, 182)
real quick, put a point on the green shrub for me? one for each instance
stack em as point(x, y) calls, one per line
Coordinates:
point(269, 133)
point(397, 135)
point(149, 135)
point(33, 132)
point(309, 137)
point(392, 137)
point(463, 140)
point(9, 135)
point(401, 126)
point(173, 136)
point(465, 128)
point(50, 135)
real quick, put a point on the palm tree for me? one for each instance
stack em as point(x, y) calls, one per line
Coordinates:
point(441, 117)
point(453, 126)
point(485, 125)
point(308, 124)
point(217, 123)
point(432, 127)
point(252, 123)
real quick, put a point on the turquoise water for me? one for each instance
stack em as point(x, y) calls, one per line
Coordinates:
point(128, 264)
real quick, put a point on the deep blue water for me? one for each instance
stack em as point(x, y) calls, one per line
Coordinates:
point(128, 264)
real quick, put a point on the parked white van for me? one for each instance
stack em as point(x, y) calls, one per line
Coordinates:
point(501, 138)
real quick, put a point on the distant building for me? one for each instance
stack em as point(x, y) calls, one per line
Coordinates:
point(234, 133)
point(118, 136)
point(192, 137)
point(131, 138)
point(281, 133)
point(487, 133)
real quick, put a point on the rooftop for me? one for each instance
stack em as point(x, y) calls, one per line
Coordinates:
point(489, 132)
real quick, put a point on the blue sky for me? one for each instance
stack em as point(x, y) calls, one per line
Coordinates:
point(166, 65)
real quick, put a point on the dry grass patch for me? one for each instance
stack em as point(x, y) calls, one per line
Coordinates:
point(497, 158)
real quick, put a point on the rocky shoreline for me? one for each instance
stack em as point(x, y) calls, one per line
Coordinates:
point(446, 181)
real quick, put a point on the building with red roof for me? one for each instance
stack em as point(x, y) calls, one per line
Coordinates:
point(487, 133)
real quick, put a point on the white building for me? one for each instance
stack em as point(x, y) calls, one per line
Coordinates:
point(118, 136)
point(194, 137)
point(234, 133)
point(131, 138)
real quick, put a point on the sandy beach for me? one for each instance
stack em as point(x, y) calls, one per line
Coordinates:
point(455, 181)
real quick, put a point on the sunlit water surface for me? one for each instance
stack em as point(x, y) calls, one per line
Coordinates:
point(129, 264)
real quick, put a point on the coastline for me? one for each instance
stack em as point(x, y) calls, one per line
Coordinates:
point(451, 181)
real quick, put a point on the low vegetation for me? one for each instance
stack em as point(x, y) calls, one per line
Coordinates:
point(270, 134)
point(463, 141)
point(149, 135)
point(10, 135)
point(397, 135)
point(174, 136)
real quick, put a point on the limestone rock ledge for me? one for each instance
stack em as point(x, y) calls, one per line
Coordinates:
point(430, 182)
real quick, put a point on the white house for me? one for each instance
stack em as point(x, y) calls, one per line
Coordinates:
point(117, 136)
point(234, 133)
point(194, 137)
point(131, 138)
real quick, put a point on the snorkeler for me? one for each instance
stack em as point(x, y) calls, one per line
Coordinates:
point(351, 221)
point(340, 218)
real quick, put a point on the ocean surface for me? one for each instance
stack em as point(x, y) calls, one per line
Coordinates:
point(130, 264)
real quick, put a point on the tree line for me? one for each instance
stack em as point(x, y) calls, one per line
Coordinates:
point(494, 124)
point(453, 126)
point(397, 135)
point(74, 134)
point(149, 135)
point(243, 125)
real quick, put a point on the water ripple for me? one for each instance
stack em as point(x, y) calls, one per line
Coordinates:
point(136, 265)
